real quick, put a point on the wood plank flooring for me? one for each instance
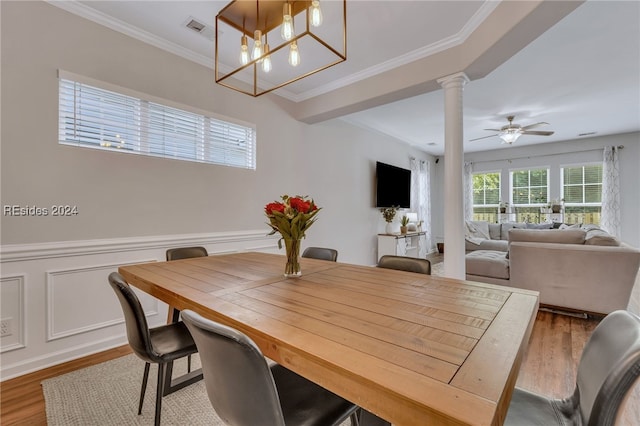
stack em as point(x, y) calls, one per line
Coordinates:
point(549, 367)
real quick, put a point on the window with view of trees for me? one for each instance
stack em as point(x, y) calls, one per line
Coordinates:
point(486, 196)
point(529, 192)
point(99, 118)
point(582, 193)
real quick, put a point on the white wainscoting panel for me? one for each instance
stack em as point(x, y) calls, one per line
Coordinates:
point(12, 312)
point(61, 305)
point(96, 305)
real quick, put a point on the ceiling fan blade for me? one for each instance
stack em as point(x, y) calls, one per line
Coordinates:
point(537, 132)
point(484, 137)
point(493, 130)
point(531, 126)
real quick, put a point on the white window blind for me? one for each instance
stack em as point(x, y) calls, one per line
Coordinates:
point(95, 117)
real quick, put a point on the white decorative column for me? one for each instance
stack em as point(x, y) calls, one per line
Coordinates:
point(453, 176)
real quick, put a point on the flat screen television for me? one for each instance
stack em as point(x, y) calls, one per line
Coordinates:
point(393, 186)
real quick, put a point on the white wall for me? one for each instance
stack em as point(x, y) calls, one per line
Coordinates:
point(130, 207)
point(555, 156)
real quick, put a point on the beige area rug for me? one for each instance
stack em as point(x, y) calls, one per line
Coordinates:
point(437, 269)
point(107, 394)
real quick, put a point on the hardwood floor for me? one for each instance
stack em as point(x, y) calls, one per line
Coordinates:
point(549, 367)
point(21, 399)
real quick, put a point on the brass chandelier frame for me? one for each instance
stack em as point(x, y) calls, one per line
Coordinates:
point(247, 16)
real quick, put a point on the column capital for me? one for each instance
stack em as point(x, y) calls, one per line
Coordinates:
point(457, 78)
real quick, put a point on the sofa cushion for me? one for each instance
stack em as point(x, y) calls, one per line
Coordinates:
point(505, 227)
point(568, 236)
point(482, 244)
point(598, 237)
point(487, 263)
point(494, 231)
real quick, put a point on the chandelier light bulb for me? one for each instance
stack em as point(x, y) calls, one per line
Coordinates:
point(286, 29)
point(244, 51)
point(316, 13)
point(294, 55)
point(257, 45)
point(266, 62)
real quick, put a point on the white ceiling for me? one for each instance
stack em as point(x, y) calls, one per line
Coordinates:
point(581, 76)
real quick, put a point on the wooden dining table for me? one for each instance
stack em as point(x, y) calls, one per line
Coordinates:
point(413, 349)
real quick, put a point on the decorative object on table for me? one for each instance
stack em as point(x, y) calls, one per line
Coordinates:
point(291, 218)
point(389, 213)
point(297, 35)
point(403, 224)
point(556, 205)
point(504, 207)
point(412, 226)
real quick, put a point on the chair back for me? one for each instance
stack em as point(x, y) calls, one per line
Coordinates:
point(609, 366)
point(321, 253)
point(402, 263)
point(186, 253)
point(238, 379)
point(138, 333)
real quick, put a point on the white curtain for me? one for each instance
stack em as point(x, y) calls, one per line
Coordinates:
point(421, 196)
point(468, 191)
point(610, 218)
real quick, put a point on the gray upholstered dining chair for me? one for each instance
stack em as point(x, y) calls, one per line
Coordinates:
point(186, 253)
point(160, 345)
point(245, 390)
point(321, 253)
point(179, 253)
point(402, 263)
point(608, 368)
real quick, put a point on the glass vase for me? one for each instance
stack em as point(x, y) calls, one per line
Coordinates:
point(292, 267)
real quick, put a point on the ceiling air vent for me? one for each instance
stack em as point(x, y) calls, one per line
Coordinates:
point(202, 29)
point(195, 25)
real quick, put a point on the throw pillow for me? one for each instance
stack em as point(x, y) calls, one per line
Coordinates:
point(477, 229)
point(539, 225)
point(574, 226)
point(598, 237)
point(504, 233)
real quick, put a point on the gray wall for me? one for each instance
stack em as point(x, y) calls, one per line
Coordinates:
point(121, 195)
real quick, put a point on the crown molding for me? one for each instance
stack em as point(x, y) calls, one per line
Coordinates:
point(447, 43)
point(87, 12)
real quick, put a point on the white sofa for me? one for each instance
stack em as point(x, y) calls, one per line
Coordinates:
point(584, 270)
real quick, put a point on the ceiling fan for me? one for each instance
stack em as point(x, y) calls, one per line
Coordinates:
point(511, 132)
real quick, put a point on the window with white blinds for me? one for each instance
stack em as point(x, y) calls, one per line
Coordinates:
point(95, 117)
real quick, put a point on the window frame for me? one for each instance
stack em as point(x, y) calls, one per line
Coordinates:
point(153, 125)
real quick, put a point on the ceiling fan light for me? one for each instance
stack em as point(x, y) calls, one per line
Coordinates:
point(510, 136)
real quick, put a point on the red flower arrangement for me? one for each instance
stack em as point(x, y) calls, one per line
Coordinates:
point(291, 218)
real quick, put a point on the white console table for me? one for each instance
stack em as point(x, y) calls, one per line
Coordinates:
point(411, 244)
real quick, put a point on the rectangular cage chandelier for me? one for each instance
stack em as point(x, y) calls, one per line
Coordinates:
point(263, 45)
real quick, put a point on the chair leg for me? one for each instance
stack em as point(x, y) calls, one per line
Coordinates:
point(355, 421)
point(189, 364)
point(159, 392)
point(144, 386)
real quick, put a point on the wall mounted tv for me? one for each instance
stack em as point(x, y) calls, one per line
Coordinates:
point(393, 186)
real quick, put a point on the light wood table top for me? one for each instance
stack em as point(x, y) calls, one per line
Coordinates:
point(410, 348)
